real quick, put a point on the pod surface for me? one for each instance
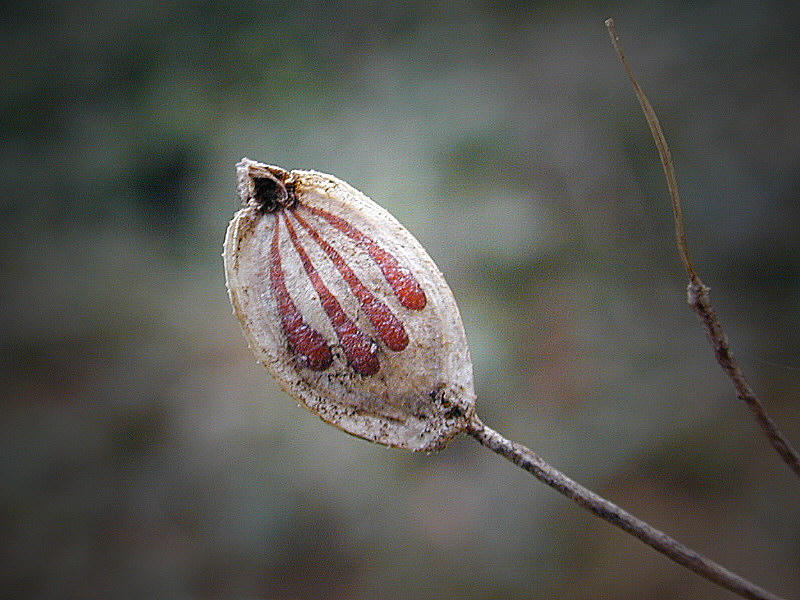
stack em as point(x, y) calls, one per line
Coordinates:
point(346, 309)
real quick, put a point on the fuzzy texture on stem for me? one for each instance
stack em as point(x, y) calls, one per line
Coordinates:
point(698, 297)
point(530, 461)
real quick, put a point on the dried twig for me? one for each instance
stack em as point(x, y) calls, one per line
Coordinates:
point(527, 459)
point(698, 297)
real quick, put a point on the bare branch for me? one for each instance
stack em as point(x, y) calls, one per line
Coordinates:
point(527, 459)
point(698, 297)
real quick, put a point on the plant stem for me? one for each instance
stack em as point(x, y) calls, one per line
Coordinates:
point(698, 297)
point(527, 459)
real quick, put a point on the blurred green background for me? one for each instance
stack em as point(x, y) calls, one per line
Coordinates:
point(144, 454)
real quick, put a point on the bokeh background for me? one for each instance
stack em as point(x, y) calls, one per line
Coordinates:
point(144, 454)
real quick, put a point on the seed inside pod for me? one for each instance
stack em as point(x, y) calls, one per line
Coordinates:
point(346, 309)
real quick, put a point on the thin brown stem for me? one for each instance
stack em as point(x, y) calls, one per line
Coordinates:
point(527, 459)
point(663, 151)
point(698, 297)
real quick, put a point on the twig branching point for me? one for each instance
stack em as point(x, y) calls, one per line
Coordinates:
point(698, 294)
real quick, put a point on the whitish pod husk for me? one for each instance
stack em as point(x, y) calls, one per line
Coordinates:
point(346, 309)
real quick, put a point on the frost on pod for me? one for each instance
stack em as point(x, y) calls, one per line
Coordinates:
point(346, 309)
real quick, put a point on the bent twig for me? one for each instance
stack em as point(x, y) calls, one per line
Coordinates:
point(698, 294)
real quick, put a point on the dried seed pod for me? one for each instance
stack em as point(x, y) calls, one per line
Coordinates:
point(346, 309)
